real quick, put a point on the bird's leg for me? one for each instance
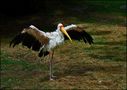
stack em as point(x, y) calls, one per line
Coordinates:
point(51, 72)
point(52, 63)
point(50, 67)
point(51, 53)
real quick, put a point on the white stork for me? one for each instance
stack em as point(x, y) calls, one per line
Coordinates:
point(45, 42)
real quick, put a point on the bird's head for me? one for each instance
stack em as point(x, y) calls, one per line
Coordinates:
point(61, 28)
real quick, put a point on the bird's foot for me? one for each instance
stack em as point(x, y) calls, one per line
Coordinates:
point(53, 76)
point(51, 79)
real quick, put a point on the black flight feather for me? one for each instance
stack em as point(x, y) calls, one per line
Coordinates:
point(26, 40)
point(79, 34)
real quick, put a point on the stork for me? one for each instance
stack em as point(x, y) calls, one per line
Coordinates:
point(45, 42)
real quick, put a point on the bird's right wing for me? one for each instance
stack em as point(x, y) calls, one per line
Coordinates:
point(78, 33)
point(31, 37)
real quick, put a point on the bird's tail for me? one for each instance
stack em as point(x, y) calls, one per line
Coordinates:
point(43, 53)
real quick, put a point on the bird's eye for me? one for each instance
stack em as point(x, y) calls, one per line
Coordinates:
point(61, 26)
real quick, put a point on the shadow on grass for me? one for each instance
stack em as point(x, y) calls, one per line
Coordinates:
point(100, 32)
point(107, 43)
point(88, 70)
point(111, 51)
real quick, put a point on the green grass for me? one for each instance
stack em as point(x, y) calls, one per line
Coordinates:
point(14, 70)
point(77, 65)
point(9, 64)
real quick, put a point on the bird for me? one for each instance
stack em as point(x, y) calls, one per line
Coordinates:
point(45, 42)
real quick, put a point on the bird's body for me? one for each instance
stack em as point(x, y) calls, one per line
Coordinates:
point(45, 42)
point(55, 38)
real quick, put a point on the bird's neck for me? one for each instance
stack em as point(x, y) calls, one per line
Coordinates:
point(60, 33)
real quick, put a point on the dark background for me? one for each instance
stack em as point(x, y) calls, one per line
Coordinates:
point(46, 14)
point(27, 7)
point(12, 10)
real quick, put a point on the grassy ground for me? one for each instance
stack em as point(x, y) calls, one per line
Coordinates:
point(78, 65)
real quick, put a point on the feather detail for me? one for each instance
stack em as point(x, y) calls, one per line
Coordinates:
point(77, 33)
point(30, 37)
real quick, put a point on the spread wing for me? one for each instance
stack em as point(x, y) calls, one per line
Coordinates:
point(78, 33)
point(30, 37)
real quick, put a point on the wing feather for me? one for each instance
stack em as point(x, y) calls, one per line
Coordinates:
point(30, 37)
point(78, 33)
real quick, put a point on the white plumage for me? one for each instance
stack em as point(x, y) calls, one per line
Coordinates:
point(55, 38)
point(45, 42)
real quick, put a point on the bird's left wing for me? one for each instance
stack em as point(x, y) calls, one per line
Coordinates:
point(31, 37)
point(78, 33)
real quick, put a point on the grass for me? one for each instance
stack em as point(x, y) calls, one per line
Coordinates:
point(78, 65)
